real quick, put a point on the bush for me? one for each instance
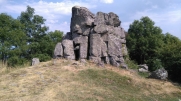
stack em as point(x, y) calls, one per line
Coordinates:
point(131, 63)
point(16, 61)
point(43, 57)
point(154, 64)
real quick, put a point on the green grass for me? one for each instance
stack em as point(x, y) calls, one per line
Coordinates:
point(114, 87)
point(144, 74)
point(131, 64)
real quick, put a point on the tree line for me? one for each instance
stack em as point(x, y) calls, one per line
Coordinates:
point(26, 37)
point(148, 45)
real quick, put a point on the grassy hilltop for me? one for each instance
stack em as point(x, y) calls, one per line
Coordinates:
point(71, 81)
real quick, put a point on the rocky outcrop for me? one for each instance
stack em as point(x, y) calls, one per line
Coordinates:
point(159, 74)
point(98, 38)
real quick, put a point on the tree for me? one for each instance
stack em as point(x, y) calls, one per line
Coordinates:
point(171, 56)
point(12, 38)
point(147, 44)
point(49, 41)
point(144, 40)
point(35, 30)
point(40, 42)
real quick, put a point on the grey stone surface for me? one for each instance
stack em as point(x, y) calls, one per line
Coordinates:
point(114, 62)
point(101, 19)
point(142, 70)
point(123, 41)
point(95, 59)
point(95, 45)
point(35, 61)
point(114, 19)
point(161, 74)
point(144, 66)
point(107, 19)
point(114, 46)
point(104, 37)
point(67, 36)
point(68, 49)
point(98, 38)
point(58, 51)
point(104, 51)
point(101, 29)
point(123, 34)
point(107, 60)
point(117, 32)
point(84, 48)
point(81, 21)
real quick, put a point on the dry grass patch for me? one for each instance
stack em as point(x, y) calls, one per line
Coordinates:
point(65, 80)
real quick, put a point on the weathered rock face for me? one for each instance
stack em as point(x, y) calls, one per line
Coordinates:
point(35, 61)
point(58, 52)
point(99, 38)
point(159, 74)
point(68, 52)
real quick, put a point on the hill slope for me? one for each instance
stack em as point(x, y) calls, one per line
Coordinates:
point(72, 81)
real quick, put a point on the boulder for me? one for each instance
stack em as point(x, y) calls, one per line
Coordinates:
point(58, 51)
point(82, 42)
point(114, 19)
point(68, 49)
point(144, 66)
point(114, 46)
point(95, 45)
point(35, 61)
point(107, 19)
point(101, 29)
point(101, 19)
point(82, 20)
point(114, 62)
point(161, 74)
point(103, 49)
point(117, 61)
point(142, 70)
point(84, 48)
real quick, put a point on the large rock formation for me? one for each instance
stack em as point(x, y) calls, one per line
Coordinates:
point(98, 38)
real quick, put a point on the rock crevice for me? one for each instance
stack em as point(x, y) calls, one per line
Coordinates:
point(99, 38)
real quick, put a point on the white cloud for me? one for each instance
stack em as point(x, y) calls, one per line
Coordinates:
point(63, 7)
point(107, 1)
point(64, 26)
point(53, 12)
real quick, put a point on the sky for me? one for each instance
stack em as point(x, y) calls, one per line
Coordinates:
point(165, 13)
